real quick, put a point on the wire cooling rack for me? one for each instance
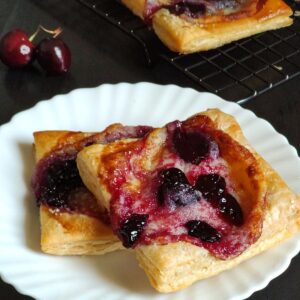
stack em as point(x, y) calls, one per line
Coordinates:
point(238, 71)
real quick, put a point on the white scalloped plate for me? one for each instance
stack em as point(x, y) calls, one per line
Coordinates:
point(117, 275)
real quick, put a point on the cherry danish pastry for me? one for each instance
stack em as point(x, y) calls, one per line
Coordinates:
point(187, 26)
point(192, 198)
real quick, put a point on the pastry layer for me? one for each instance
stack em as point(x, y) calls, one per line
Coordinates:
point(66, 233)
point(177, 265)
point(186, 35)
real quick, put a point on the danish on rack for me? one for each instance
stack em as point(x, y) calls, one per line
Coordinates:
point(187, 26)
point(71, 221)
point(192, 198)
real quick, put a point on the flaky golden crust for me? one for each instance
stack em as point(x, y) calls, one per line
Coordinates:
point(187, 35)
point(64, 233)
point(177, 265)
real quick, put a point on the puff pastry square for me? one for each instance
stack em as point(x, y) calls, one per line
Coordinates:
point(271, 216)
point(75, 230)
point(185, 29)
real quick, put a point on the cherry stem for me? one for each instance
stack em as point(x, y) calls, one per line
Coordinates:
point(56, 32)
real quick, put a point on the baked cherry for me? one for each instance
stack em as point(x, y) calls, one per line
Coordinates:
point(231, 209)
point(192, 147)
point(193, 10)
point(175, 190)
point(179, 195)
point(172, 177)
point(203, 231)
point(212, 186)
point(53, 55)
point(16, 50)
point(62, 176)
point(132, 228)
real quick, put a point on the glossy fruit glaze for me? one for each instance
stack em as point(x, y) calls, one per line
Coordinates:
point(196, 9)
point(59, 186)
point(193, 10)
point(188, 197)
point(56, 181)
point(202, 8)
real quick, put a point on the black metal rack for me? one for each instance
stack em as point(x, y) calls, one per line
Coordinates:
point(238, 71)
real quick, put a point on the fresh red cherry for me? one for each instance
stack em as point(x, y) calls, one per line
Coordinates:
point(53, 55)
point(16, 49)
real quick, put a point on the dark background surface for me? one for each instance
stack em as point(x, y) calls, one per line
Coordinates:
point(103, 54)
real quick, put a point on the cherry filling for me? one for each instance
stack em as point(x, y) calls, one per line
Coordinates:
point(58, 185)
point(193, 10)
point(196, 8)
point(231, 209)
point(172, 177)
point(203, 231)
point(175, 190)
point(211, 186)
point(188, 196)
point(62, 176)
point(131, 229)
